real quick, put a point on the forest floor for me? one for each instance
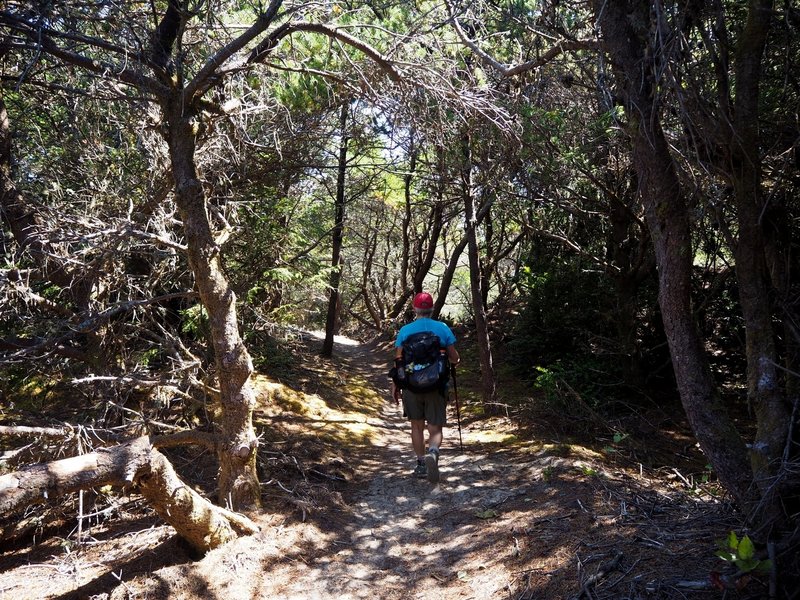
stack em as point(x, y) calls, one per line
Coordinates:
point(520, 513)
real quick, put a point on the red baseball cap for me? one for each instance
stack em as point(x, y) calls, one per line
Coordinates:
point(423, 300)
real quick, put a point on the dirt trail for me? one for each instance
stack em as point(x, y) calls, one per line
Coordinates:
point(510, 519)
point(405, 537)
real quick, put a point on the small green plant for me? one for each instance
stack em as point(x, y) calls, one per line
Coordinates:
point(148, 357)
point(618, 438)
point(706, 476)
point(194, 320)
point(741, 553)
point(547, 382)
point(547, 474)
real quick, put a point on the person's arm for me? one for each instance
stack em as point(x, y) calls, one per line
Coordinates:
point(452, 355)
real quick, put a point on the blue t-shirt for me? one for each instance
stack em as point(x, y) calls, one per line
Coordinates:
point(442, 331)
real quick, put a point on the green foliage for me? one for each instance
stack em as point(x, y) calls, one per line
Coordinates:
point(149, 357)
point(272, 355)
point(194, 321)
point(583, 375)
point(552, 337)
point(741, 552)
point(619, 437)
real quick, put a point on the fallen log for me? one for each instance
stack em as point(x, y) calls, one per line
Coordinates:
point(133, 464)
point(22, 431)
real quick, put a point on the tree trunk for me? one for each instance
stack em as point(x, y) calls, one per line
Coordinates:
point(134, 463)
point(370, 248)
point(764, 390)
point(447, 277)
point(631, 255)
point(488, 384)
point(624, 28)
point(238, 479)
point(405, 251)
point(455, 256)
point(424, 261)
point(488, 262)
point(426, 245)
point(337, 238)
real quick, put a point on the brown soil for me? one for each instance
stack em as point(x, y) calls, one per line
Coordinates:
point(515, 516)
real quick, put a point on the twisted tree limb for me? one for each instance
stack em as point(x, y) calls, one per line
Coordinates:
point(136, 463)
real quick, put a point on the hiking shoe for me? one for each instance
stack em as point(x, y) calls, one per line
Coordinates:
point(432, 464)
point(421, 472)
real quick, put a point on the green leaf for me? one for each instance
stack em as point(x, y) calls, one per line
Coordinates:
point(733, 541)
point(745, 566)
point(746, 549)
point(764, 566)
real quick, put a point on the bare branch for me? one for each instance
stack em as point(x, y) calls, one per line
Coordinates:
point(41, 37)
point(511, 70)
point(203, 80)
point(336, 33)
point(181, 438)
point(22, 431)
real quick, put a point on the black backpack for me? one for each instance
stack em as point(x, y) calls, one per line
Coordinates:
point(424, 367)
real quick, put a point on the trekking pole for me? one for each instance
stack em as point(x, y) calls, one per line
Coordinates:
point(458, 408)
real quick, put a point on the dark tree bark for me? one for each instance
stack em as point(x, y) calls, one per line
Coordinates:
point(626, 37)
point(736, 151)
point(428, 241)
point(238, 479)
point(629, 250)
point(337, 238)
point(488, 262)
point(419, 251)
point(488, 384)
point(370, 248)
point(764, 389)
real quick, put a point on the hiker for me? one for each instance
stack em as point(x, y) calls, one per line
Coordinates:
point(426, 403)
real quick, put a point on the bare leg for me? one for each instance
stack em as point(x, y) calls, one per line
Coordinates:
point(435, 436)
point(418, 437)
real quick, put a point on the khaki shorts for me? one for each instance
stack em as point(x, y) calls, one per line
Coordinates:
point(427, 406)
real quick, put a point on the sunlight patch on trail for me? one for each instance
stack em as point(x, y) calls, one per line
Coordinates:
point(337, 339)
point(493, 437)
